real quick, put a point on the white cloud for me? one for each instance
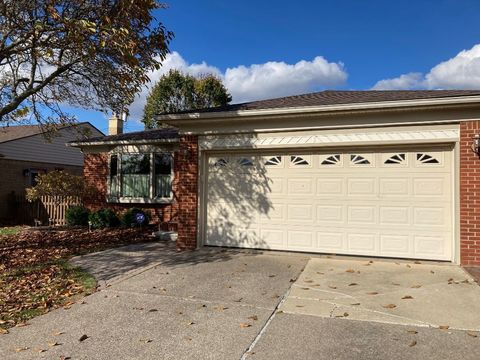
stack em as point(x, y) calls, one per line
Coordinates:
point(258, 81)
point(404, 82)
point(459, 72)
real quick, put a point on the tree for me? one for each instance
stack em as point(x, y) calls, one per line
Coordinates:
point(176, 92)
point(93, 54)
point(59, 183)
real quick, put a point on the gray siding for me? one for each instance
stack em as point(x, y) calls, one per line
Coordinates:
point(36, 148)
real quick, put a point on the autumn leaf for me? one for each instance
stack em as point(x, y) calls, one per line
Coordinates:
point(345, 314)
point(355, 304)
point(350, 271)
point(53, 344)
point(412, 331)
point(352, 284)
point(272, 275)
point(407, 297)
point(58, 333)
point(146, 341)
point(39, 350)
point(220, 308)
point(245, 325)
point(308, 281)
point(19, 349)
point(3, 331)
point(253, 317)
point(332, 286)
point(416, 286)
point(300, 306)
point(305, 288)
point(444, 327)
point(389, 306)
point(83, 338)
point(372, 293)
point(191, 323)
point(413, 343)
point(472, 333)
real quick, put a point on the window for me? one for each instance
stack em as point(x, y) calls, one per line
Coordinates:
point(358, 160)
point(331, 160)
point(298, 160)
point(140, 177)
point(396, 159)
point(426, 159)
point(274, 161)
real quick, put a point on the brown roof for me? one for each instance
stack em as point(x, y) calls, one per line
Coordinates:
point(14, 132)
point(330, 97)
point(8, 133)
point(167, 133)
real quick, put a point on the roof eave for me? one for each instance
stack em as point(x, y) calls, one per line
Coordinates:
point(82, 144)
point(178, 119)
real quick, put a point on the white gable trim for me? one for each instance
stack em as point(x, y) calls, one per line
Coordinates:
point(359, 137)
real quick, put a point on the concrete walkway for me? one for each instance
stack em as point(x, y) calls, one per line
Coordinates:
point(155, 303)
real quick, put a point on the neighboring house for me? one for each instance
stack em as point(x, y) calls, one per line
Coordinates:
point(26, 153)
point(375, 173)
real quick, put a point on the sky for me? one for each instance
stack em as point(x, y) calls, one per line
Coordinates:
point(264, 49)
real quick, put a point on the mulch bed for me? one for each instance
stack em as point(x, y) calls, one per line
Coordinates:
point(35, 275)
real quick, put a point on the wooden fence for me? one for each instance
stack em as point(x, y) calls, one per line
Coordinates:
point(48, 210)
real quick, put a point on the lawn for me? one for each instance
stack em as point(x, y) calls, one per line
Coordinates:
point(35, 275)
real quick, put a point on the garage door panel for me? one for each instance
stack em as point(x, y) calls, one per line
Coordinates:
point(393, 204)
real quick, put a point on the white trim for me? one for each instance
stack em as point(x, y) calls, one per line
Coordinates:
point(359, 138)
point(121, 142)
point(178, 119)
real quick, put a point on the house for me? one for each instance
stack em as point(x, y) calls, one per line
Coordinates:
point(374, 173)
point(26, 153)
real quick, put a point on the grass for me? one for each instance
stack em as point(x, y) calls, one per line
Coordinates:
point(29, 291)
point(10, 230)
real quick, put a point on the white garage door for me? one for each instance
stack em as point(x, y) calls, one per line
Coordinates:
point(392, 203)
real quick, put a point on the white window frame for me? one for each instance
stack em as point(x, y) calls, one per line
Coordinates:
point(139, 200)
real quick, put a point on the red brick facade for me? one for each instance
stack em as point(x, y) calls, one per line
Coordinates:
point(180, 215)
point(469, 195)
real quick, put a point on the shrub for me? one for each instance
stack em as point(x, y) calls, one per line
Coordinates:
point(103, 218)
point(130, 218)
point(77, 215)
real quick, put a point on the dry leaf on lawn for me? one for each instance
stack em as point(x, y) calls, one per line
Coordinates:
point(389, 306)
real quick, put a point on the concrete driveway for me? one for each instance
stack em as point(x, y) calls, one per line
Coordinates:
point(155, 303)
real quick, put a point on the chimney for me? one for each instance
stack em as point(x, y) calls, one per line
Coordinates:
point(115, 125)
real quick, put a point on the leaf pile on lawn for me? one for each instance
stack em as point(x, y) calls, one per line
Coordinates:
point(35, 275)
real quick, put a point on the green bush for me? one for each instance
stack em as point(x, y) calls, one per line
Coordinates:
point(77, 215)
point(103, 218)
point(129, 217)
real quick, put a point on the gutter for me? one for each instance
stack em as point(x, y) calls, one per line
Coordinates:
point(177, 119)
point(120, 142)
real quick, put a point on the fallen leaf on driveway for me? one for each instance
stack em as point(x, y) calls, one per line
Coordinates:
point(253, 317)
point(293, 279)
point(39, 350)
point(299, 306)
point(305, 288)
point(320, 273)
point(22, 324)
point(352, 284)
point(417, 262)
point(191, 323)
point(332, 286)
point(407, 297)
point(245, 325)
point(83, 338)
point(152, 310)
point(416, 286)
point(53, 344)
point(413, 343)
point(444, 327)
point(21, 349)
point(271, 276)
point(58, 333)
point(432, 272)
point(308, 281)
point(355, 304)
point(350, 270)
point(345, 314)
point(372, 293)
point(146, 341)
point(3, 331)
point(412, 331)
point(389, 306)
point(472, 333)
point(220, 308)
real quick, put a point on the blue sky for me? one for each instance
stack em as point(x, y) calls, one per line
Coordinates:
point(306, 46)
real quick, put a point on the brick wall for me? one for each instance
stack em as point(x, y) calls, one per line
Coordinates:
point(469, 195)
point(180, 215)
